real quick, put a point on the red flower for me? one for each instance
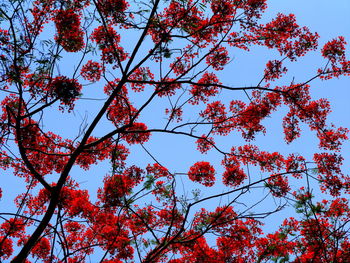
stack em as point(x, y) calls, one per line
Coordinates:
point(168, 88)
point(274, 70)
point(218, 58)
point(278, 185)
point(69, 34)
point(233, 176)
point(205, 143)
point(137, 133)
point(42, 248)
point(158, 171)
point(108, 40)
point(112, 7)
point(204, 89)
point(66, 90)
point(334, 50)
point(13, 227)
point(91, 71)
point(6, 247)
point(140, 74)
point(203, 173)
point(174, 114)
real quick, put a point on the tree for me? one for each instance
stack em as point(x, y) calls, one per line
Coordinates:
point(164, 57)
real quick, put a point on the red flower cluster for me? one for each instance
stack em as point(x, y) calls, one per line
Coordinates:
point(250, 154)
point(66, 90)
point(6, 247)
point(334, 50)
point(137, 133)
point(175, 114)
point(285, 35)
point(205, 88)
point(158, 171)
point(254, 8)
point(203, 173)
point(248, 118)
point(181, 65)
point(314, 113)
point(121, 111)
point(278, 185)
point(96, 153)
point(330, 174)
point(205, 143)
point(233, 175)
point(274, 70)
point(139, 75)
point(108, 40)
point(114, 8)
point(91, 71)
point(168, 87)
point(215, 113)
point(331, 139)
point(14, 227)
point(223, 8)
point(69, 33)
point(218, 58)
point(42, 249)
point(38, 145)
point(295, 163)
point(119, 185)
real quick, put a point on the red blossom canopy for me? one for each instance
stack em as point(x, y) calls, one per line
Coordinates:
point(165, 59)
